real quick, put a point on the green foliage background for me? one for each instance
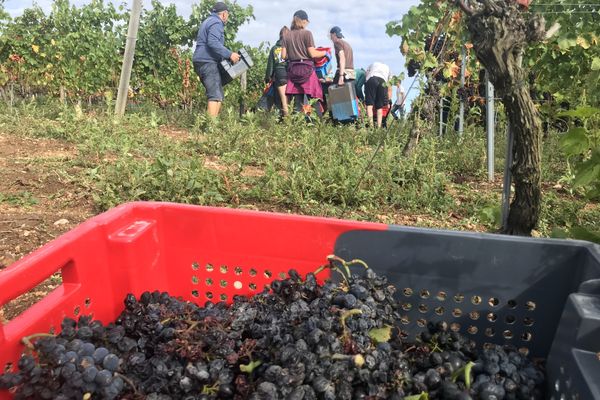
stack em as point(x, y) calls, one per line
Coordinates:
point(77, 51)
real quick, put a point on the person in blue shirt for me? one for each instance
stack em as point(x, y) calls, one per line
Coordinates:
point(210, 50)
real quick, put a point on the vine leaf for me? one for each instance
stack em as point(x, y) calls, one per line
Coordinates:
point(575, 141)
point(381, 335)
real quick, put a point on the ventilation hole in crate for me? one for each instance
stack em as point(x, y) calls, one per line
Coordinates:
point(224, 269)
point(507, 334)
point(268, 274)
point(195, 293)
point(510, 319)
point(490, 332)
point(87, 303)
point(405, 319)
point(223, 297)
point(493, 302)
point(459, 297)
point(530, 305)
point(210, 268)
point(223, 283)
point(489, 346)
point(474, 315)
point(557, 385)
point(425, 294)
point(528, 321)
point(562, 370)
point(526, 337)
point(568, 383)
point(441, 296)
point(238, 285)
point(76, 311)
point(472, 329)
point(282, 275)
point(457, 313)
point(253, 272)
point(194, 280)
point(209, 295)
point(524, 351)
point(455, 327)
point(8, 367)
point(252, 286)
point(238, 271)
point(195, 266)
point(208, 281)
point(423, 308)
point(492, 317)
point(476, 300)
point(407, 292)
point(406, 306)
point(421, 322)
point(512, 303)
point(439, 310)
point(403, 335)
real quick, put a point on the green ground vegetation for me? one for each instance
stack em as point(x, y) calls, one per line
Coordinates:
point(255, 161)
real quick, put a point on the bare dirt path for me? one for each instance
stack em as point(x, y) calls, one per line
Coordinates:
point(38, 202)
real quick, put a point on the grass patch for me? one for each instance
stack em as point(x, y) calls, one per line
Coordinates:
point(310, 168)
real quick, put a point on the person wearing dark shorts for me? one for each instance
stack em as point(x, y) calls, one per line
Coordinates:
point(376, 90)
point(210, 50)
point(277, 70)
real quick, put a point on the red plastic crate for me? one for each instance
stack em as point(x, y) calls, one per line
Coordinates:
point(540, 295)
point(198, 253)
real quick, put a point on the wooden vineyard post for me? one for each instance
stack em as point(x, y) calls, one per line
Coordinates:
point(134, 24)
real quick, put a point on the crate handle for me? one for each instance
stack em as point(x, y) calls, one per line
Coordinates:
point(591, 287)
point(32, 270)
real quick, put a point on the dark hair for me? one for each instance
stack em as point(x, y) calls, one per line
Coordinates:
point(283, 31)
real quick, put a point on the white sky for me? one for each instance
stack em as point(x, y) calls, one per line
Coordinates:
point(362, 23)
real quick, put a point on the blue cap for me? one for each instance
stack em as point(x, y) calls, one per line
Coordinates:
point(337, 31)
point(301, 14)
point(220, 7)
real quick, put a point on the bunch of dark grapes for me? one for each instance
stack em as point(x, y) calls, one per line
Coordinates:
point(295, 340)
point(435, 48)
point(68, 366)
point(413, 67)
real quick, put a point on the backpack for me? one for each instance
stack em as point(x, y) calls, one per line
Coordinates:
point(322, 64)
point(278, 61)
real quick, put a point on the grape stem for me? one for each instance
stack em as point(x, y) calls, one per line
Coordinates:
point(466, 372)
point(345, 315)
point(421, 396)
point(344, 267)
point(128, 381)
point(27, 339)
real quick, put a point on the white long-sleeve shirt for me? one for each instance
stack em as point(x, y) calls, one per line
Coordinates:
point(400, 95)
point(378, 69)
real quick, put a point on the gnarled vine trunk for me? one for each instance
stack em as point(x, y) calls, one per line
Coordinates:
point(500, 32)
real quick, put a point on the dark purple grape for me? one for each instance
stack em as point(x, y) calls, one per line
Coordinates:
point(111, 362)
point(103, 378)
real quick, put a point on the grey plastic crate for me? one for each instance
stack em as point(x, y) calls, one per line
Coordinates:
point(230, 71)
point(497, 289)
point(343, 102)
